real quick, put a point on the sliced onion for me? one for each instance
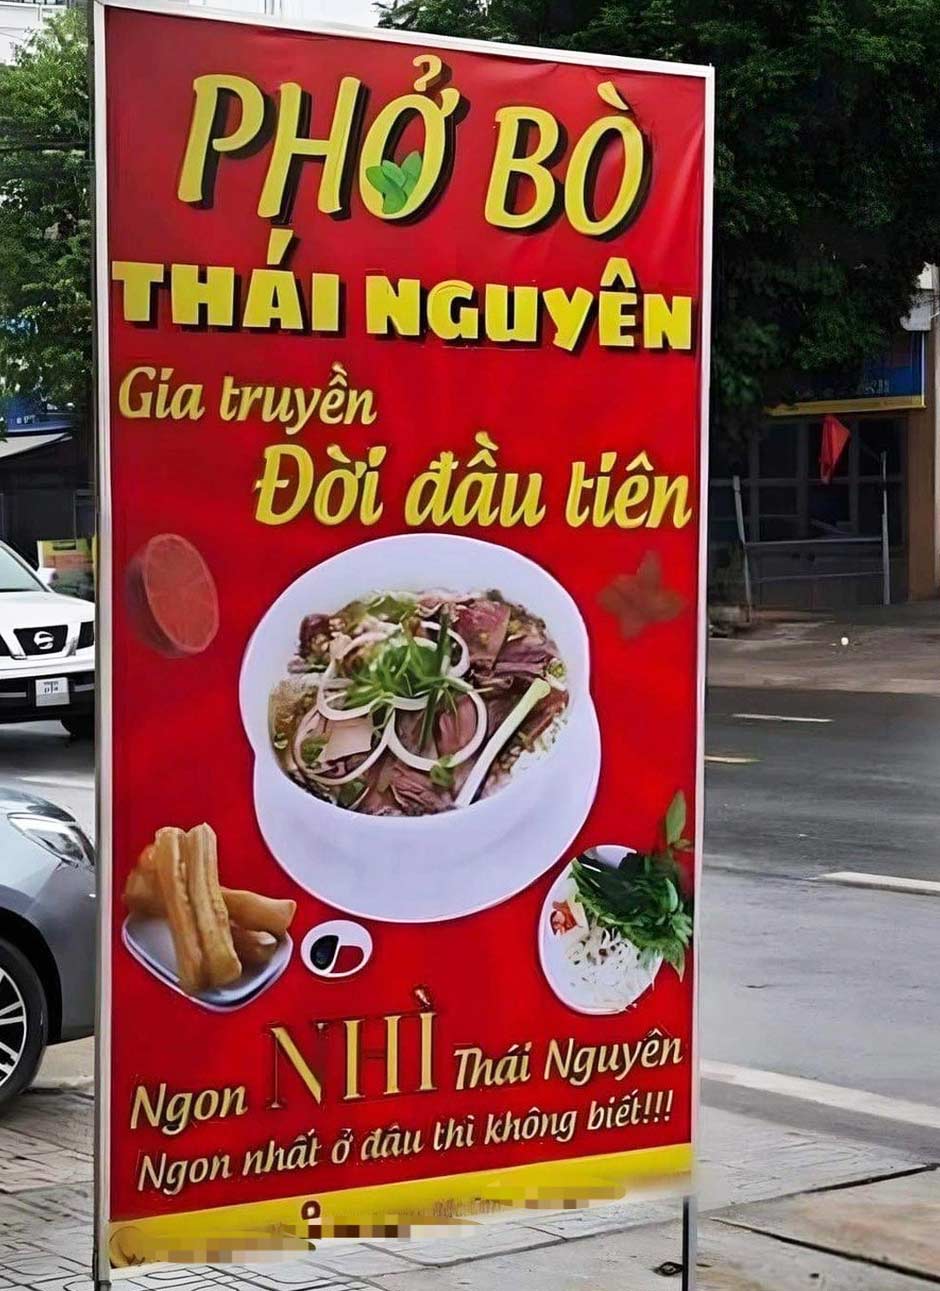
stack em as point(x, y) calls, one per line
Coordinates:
point(305, 726)
point(364, 638)
point(407, 704)
point(364, 765)
point(453, 759)
point(342, 714)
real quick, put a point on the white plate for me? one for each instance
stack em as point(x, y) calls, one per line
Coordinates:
point(431, 887)
point(151, 944)
point(552, 947)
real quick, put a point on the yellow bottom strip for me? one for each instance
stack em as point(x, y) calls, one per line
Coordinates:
point(293, 1223)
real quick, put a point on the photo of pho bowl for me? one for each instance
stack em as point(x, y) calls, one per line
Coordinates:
point(419, 710)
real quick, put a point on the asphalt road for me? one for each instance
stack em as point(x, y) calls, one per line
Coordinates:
point(799, 977)
point(856, 788)
point(41, 758)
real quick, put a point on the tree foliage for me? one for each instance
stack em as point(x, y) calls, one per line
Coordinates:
point(45, 225)
point(827, 162)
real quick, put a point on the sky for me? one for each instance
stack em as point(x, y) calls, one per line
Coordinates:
point(358, 12)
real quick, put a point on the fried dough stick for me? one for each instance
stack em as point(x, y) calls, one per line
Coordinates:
point(261, 914)
point(253, 948)
point(247, 909)
point(142, 893)
point(170, 871)
point(202, 879)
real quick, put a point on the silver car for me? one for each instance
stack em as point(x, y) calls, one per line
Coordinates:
point(47, 934)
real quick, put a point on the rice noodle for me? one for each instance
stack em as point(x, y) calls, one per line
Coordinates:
point(604, 969)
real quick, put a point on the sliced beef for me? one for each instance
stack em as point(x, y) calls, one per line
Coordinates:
point(314, 634)
point(379, 800)
point(456, 727)
point(526, 656)
point(415, 793)
point(409, 727)
point(483, 625)
point(498, 708)
point(544, 713)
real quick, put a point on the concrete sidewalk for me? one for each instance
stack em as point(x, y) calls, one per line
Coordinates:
point(781, 1209)
point(894, 650)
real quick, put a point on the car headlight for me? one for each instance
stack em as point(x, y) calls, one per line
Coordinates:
point(86, 635)
point(63, 838)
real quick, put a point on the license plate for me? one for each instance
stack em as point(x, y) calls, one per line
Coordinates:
point(52, 690)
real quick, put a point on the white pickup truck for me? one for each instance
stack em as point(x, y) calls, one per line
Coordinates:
point(47, 651)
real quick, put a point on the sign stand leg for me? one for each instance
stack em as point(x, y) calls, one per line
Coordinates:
point(885, 546)
point(689, 1242)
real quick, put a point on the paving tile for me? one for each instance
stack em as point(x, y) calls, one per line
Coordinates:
point(58, 1283)
point(596, 1220)
point(302, 1273)
point(312, 1279)
point(894, 1222)
point(745, 1159)
point(32, 1270)
point(176, 1273)
point(628, 1261)
point(359, 1260)
point(485, 1241)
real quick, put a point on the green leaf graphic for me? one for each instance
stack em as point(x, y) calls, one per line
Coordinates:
point(395, 183)
point(394, 173)
point(377, 179)
point(412, 167)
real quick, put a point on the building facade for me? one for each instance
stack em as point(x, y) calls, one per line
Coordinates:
point(810, 544)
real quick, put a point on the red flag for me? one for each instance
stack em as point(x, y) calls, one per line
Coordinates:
point(835, 436)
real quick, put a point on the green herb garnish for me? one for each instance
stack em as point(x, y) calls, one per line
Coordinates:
point(349, 792)
point(643, 897)
point(404, 669)
point(442, 772)
point(312, 747)
point(394, 609)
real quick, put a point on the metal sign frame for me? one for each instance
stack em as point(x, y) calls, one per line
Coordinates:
point(102, 1268)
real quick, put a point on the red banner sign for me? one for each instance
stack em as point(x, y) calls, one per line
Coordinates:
point(403, 368)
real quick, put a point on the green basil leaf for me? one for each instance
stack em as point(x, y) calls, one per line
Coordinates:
point(395, 200)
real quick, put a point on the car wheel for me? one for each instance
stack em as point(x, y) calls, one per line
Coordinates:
point(81, 727)
point(24, 1022)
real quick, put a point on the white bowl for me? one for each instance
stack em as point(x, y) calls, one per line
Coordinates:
point(319, 835)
